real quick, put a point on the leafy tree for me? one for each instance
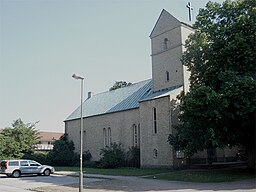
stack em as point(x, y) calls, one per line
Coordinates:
point(119, 84)
point(219, 110)
point(63, 152)
point(18, 140)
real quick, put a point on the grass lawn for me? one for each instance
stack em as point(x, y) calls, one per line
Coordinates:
point(203, 176)
point(209, 175)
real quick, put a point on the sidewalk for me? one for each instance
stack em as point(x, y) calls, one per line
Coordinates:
point(76, 174)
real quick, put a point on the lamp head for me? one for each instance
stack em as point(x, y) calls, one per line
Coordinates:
point(77, 77)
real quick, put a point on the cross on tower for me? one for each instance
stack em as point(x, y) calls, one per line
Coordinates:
point(190, 8)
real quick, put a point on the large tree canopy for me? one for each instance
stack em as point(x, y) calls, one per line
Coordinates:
point(219, 110)
point(119, 84)
point(17, 140)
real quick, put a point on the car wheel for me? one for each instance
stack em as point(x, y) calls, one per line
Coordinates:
point(16, 174)
point(47, 172)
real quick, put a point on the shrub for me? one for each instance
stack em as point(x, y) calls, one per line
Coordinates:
point(86, 159)
point(40, 157)
point(112, 156)
point(87, 156)
point(133, 157)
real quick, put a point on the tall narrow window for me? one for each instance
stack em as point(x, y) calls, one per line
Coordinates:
point(135, 135)
point(109, 136)
point(166, 41)
point(167, 75)
point(104, 137)
point(154, 120)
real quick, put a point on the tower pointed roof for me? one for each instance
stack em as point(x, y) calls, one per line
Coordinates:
point(164, 22)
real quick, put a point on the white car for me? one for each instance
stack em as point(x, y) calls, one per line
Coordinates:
point(16, 168)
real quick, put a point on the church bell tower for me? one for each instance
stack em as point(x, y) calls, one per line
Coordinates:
point(167, 46)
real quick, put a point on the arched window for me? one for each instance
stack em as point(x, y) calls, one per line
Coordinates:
point(154, 120)
point(109, 136)
point(166, 44)
point(167, 75)
point(135, 135)
point(104, 137)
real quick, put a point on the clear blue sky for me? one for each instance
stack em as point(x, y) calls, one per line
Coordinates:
point(43, 42)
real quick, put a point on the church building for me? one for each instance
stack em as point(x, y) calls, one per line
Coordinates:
point(142, 114)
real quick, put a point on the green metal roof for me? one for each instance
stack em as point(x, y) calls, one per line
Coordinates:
point(113, 101)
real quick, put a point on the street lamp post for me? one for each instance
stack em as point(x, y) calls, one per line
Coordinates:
point(81, 134)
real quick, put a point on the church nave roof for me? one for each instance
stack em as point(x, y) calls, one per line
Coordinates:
point(113, 101)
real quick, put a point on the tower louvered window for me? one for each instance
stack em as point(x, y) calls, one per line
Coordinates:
point(166, 44)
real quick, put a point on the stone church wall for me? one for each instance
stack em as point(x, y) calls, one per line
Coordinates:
point(155, 150)
point(120, 123)
point(185, 32)
point(167, 59)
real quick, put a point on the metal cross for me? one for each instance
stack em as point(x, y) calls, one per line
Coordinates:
point(190, 8)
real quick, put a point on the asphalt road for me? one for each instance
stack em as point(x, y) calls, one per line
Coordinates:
point(25, 183)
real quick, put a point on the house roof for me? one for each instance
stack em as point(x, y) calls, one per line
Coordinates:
point(49, 136)
point(113, 101)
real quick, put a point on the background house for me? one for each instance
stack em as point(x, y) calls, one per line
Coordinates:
point(46, 139)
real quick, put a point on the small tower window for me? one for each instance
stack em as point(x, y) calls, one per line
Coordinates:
point(155, 153)
point(167, 75)
point(166, 44)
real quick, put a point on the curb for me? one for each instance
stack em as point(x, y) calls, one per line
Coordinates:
point(76, 174)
